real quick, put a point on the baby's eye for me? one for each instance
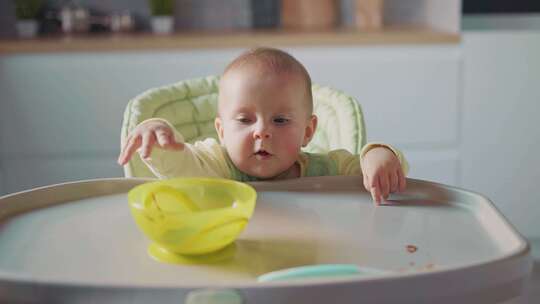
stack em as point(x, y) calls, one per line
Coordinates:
point(281, 120)
point(243, 120)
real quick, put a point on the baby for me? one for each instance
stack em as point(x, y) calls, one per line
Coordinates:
point(265, 116)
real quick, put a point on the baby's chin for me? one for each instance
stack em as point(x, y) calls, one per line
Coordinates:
point(272, 174)
point(264, 170)
point(263, 174)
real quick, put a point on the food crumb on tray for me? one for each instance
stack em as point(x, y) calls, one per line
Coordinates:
point(411, 248)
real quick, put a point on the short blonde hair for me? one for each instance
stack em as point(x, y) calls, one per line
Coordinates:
point(276, 61)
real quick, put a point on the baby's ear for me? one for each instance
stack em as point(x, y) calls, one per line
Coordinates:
point(310, 130)
point(219, 128)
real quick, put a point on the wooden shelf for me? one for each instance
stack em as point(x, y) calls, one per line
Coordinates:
point(209, 40)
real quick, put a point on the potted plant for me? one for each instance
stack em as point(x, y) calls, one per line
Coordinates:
point(162, 16)
point(27, 12)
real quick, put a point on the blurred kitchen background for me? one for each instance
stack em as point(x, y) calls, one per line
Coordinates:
point(454, 84)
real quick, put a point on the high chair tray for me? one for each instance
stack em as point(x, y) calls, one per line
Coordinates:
point(77, 243)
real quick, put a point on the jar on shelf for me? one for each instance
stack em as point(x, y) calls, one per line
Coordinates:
point(74, 19)
point(309, 14)
point(369, 14)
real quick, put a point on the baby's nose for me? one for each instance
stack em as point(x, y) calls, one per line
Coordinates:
point(262, 132)
point(262, 135)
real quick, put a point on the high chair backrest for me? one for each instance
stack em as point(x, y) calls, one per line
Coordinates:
point(191, 106)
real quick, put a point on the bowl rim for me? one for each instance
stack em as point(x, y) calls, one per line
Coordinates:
point(135, 193)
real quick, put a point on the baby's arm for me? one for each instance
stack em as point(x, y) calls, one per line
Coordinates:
point(145, 136)
point(172, 157)
point(383, 169)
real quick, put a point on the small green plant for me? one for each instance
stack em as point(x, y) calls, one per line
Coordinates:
point(162, 7)
point(27, 9)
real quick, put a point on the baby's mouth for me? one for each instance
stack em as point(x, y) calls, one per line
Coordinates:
point(263, 153)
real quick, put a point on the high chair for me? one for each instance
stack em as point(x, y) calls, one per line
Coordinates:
point(191, 106)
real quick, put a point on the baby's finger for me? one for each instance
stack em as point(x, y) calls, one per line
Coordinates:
point(173, 144)
point(366, 182)
point(385, 185)
point(374, 181)
point(148, 140)
point(163, 138)
point(166, 140)
point(394, 182)
point(376, 195)
point(129, 138)
point(374, 189)
point(402, 180)
point(122, 153)
point(132, 144)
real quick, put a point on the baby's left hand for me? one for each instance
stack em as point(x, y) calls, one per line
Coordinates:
point(382, 173)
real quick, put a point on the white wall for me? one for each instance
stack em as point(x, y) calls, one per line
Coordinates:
point(409, 96)
point(501, 131)
point(61, 114)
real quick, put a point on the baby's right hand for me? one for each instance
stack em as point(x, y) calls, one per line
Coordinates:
point(145, 136)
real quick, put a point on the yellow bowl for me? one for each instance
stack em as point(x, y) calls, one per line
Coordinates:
point(191, 216)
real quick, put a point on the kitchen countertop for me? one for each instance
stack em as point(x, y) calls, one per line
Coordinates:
point(208, 40)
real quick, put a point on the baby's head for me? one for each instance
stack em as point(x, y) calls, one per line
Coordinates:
point(265, 112)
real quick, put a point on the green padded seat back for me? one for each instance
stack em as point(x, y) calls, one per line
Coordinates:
point(191, 106)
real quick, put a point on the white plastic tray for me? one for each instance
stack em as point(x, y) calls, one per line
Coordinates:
point(77, 243)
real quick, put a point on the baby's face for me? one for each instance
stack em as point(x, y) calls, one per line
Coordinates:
point(263, 120)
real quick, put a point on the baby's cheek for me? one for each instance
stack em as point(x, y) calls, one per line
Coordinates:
point(292, 146)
